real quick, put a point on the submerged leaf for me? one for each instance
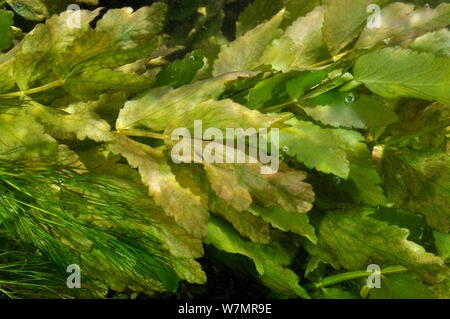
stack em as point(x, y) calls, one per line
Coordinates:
point(399, 72)
point(178, 202)
point(355, 240)
point(300, 46)
point(271, 261)
point(243, 53)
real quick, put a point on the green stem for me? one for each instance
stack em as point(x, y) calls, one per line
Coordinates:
point(349, 86)
point(332, 280)
point(330, 60)
point(34, 90)
point(278, 107)
point(437, 127)
point(142, 134)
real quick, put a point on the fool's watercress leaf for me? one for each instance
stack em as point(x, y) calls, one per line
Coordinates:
point(395, 72)
point(6, 21)
point(342, 153)
point(180, 72)
point(437, 42)
point(442, 243)
point(77, 121)
point(178, 202)
point(158, 107)
point(419, 182)
point(401, 286)
point(300, 46)
point(414, 223)
point(271, 91)
point(354, 240)
point(23, 138)
point(284, 221)
point(244, 222)
point(134, 35)
point(305, 141)
point(255, 14)
point(30, 9)
point(37, 10)
point(40, 48)
point(400, 23)
point(344, 19)
point(285, 187)
point(271, 261)
point(90, 84)
point(243, 53)
point(344, 109)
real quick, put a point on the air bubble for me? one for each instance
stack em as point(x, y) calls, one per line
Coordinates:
point(350, 98)
point(191, 58)
point(337, 180)
point(285, 149)
point(387, 40)
point(427, 5)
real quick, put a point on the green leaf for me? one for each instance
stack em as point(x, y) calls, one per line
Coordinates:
point(180, 72)
point(34, 10)
point(419, 182)
point(399, 72)
point(180, 203)
point(437, 42)
point(134, 35)
point(246, 184)
point(90, 84)
point(315, 147)
point(334, 151)
point(300, 46)
point(344, 19)
point(271, 261)
point(40, 49)
point(442, 243)
point(401, 286)
point(6, 21)
point(414, 223)
point(256, 13)
point(400, 23)
point(299, 86)
point(284, 221)
point(37, 10)
point(355, 240)
point(77, 121)
point(243, 53)
point(158, 107)
point(341, 109)
point(245, 223)
point(7, 82)
point(271, 91)
point(22, 137)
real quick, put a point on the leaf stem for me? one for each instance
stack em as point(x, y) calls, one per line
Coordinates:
point(330, 60)
point(142, 134)
point(33, 90)
point(437, 127)
point(278, 107)
point(332, 280)
point(349, 86)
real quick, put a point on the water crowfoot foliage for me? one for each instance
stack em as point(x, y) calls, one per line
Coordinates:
point(355, 102)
